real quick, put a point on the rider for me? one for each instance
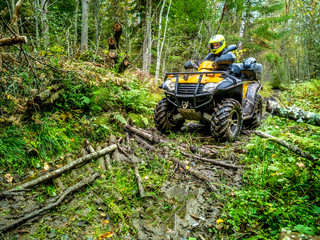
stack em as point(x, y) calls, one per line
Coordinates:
point(217, 44)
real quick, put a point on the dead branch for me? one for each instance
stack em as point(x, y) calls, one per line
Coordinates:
point(101, 160)
point(59, 171)
point(197, 174)
point(215, 162)
point(157, 139)
point(13, 40)
point(286, 145)
point(54, 204)
point(143, 142)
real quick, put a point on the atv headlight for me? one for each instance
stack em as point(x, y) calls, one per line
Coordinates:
point(168, 85)
point(209, 87)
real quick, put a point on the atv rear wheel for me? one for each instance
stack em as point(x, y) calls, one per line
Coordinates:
point(226, 119)
point(255, 120)
point(163, 117)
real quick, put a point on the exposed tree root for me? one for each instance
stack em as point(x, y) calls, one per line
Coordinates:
point(55, 203)
point(287, 145)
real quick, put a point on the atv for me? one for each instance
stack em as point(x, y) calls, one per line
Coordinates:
point(222, 94)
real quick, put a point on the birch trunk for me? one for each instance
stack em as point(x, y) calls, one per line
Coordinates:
point(76, 23)
point(158, 45)
point(37, 7)
point(84, 32)
point(96, 18)
point(242, 28)
point(15, 16)
point(147, 39)
point(44, 22)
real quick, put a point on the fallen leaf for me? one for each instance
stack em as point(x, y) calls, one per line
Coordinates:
point(9, 178)
point(106, 235)
point(105, 222)
point(46, 166)
point(187, 167)
point(300, 164)
point(220, 221)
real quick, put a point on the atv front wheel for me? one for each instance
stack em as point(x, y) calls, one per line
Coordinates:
point(163, 117)
point(255, 120)
point(226, 119)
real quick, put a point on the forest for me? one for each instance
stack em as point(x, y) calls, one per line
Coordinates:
point(92, 148)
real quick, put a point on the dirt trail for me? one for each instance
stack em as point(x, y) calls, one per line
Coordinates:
point(187, 205)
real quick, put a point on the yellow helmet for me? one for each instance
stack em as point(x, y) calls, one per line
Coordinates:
point(217, 43)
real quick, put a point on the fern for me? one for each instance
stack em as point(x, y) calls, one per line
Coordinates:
point(119, 118)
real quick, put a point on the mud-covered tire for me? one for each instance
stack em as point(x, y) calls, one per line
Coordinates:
point(163, 117)
point(226, 120)
point(255, 120)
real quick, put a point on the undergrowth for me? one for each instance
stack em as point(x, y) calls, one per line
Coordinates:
point(281, 189)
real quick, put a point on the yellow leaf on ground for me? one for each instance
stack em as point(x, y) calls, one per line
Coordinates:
point(220, 221)
point(9, 178)
point(106, 235)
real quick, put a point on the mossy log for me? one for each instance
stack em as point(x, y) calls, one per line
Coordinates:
point(293, 113)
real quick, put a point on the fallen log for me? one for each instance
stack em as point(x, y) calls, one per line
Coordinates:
point(54, 203)
point(59, 171)
point(219, 163)
point(117, 29)
point(13, 40)
point(196, 173)
point(46, 94)
point(287, 145)
point(112, 43)
point(293, 113)
point(112, 54)
point(125, 63)
point(101, 160)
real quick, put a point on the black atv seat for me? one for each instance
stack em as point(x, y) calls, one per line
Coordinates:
point(250, 72)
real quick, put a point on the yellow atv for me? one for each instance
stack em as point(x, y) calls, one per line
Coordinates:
point(222, 94)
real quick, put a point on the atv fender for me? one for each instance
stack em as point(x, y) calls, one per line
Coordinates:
point(248, 102)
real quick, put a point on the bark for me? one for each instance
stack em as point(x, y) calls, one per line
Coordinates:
point(143, 143)
point(13, 40)
point(37, 7)
point(46, 94)
point(54, 203)
point(96, 18)
point(124, 64)
point(76, 23)
point(84, 32)
point(287, 145)
point(44, 22)
point(15, 15)
point(58, 172)
point(158, 45)
point(147, 43)
point(101, 160)
point(293, 113)
point(117, 29)
point(242, 28)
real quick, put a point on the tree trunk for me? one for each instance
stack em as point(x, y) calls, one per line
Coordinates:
point(158, 45)
point(15, 16)
point(224, 10)
point(76, 23)
point(112, 43)
point(84, 32)
point(147, 43)
point(37, 7)
point(293, 113)
point(96, 18)
point(44, 22)
point(117, 29)
point(242, 28)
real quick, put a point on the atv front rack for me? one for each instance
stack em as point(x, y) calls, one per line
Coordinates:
point(195, 94)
